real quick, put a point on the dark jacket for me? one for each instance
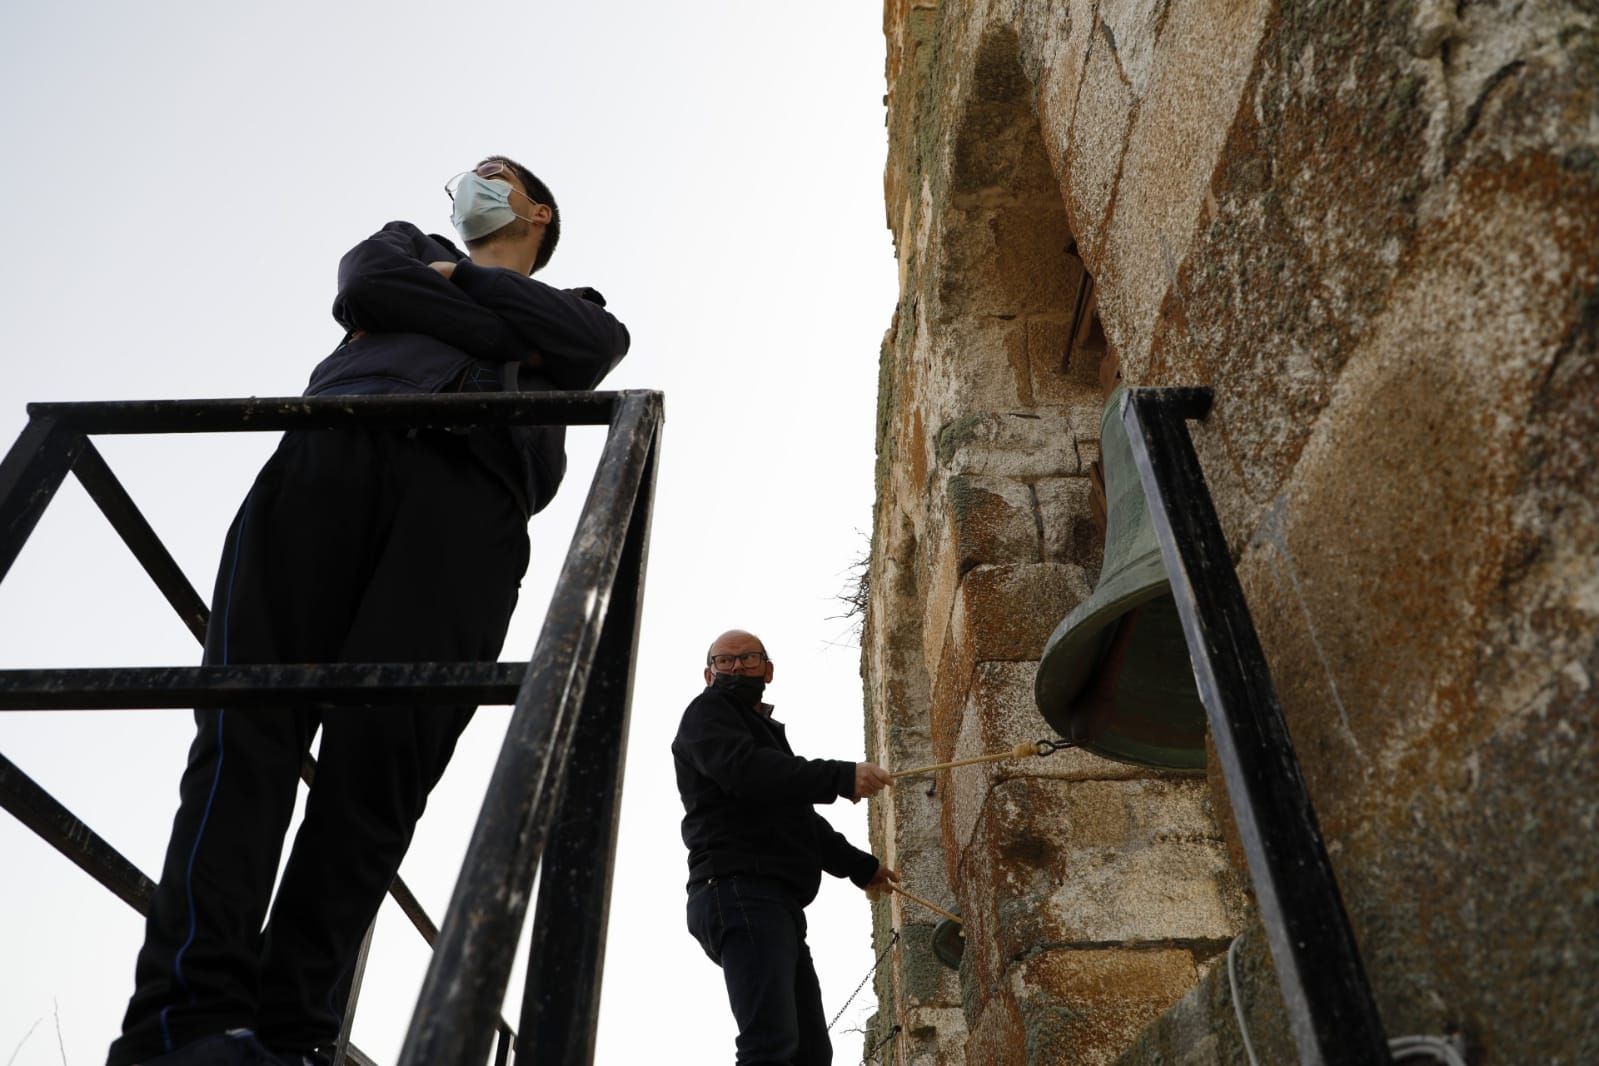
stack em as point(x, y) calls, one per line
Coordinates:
point(410, 329)
point(747, 801)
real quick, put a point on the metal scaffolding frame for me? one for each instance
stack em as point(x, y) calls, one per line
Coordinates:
point(553, 800)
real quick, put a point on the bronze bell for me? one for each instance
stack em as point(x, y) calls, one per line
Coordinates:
point(1115, 676)
point(949, 942)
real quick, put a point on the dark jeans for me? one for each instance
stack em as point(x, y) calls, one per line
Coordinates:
point(354, 546)
point(755, 931)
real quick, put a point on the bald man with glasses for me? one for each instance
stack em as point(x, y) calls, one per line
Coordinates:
point(757, 850)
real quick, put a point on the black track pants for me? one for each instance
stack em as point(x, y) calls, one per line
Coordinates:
point(355, 546)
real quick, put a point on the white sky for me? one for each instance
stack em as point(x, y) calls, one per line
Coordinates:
point(180, 181)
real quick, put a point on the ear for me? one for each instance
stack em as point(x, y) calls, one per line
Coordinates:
point(541, 214)
point(768, 676)
point(708, 675)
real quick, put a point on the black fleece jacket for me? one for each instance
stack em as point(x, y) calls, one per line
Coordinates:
point(747, 801)
point(410, 329)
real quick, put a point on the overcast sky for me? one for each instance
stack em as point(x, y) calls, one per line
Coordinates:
point(180, 181)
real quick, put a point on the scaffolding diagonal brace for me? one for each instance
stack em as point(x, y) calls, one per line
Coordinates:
point(61, 829)
point(30, 473)
point(124, 516)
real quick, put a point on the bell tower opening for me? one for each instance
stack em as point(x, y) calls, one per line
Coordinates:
point(1010, 279)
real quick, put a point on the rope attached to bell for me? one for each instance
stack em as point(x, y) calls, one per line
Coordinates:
point(1025, 750)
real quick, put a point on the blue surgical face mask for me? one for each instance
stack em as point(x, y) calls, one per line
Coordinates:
point(481, 207)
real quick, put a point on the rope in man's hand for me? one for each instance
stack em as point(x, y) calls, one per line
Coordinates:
point(935, 908)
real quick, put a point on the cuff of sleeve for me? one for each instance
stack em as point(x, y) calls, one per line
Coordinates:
point(863, 870)
point(846, 780)
point(471, 278)
point(476, 281)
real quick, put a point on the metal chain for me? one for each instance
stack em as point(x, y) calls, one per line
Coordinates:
point(880, 957)
point(871, 1051)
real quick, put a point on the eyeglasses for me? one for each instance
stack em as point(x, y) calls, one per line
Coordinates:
point(491, 169)
point(748, 658)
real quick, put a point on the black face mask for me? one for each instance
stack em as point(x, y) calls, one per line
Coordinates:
point(746, 691)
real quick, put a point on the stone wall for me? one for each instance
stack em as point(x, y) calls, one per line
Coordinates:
point(1371, 228)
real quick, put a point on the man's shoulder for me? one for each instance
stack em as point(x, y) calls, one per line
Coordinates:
point(707, 700)
point(709, 703)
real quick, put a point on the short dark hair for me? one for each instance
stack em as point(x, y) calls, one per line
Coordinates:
point(538, 192)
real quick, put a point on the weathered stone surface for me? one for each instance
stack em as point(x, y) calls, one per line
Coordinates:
point(948, 708)
point(1421, 549)
point(1018, 444)
point(997, 1033)
point(925, 981)
point(1001, 613)
point(939, 576)
point(1069, 531)
point(979, 362)
point(1005, 613)
point(1086, 1006)
point(1097, 140)
point(1094, 862)
point(992, 520)
point(1087, 452)
point(1003, 261)
point(1132, 28)
point(1053, 55)
point(1188, 86)
point(932, 1036)
point(1053, 379)
point(1202, 1028)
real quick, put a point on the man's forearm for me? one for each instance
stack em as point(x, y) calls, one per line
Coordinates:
point(576, 340)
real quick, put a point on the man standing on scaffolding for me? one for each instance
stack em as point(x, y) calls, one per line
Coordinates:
point(757, 849)
point(358, 545)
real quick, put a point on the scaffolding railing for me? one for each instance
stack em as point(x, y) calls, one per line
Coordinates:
point(553, 800)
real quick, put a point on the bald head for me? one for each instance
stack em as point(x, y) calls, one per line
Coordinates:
point(734, 641)
point(738, 642)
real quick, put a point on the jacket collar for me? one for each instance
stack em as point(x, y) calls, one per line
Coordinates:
point(764, 710)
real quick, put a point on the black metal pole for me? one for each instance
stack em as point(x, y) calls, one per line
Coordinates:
point(400, 892)
point(1330, 1008)
point(360, 684)
point(104, 488)
point(454, 1019)
point(323, 412)
point(341, 1047)
point(60, 828)
point(29, 475)
point(560, 1002)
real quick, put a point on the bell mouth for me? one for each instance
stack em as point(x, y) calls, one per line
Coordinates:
point(1119, 682)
